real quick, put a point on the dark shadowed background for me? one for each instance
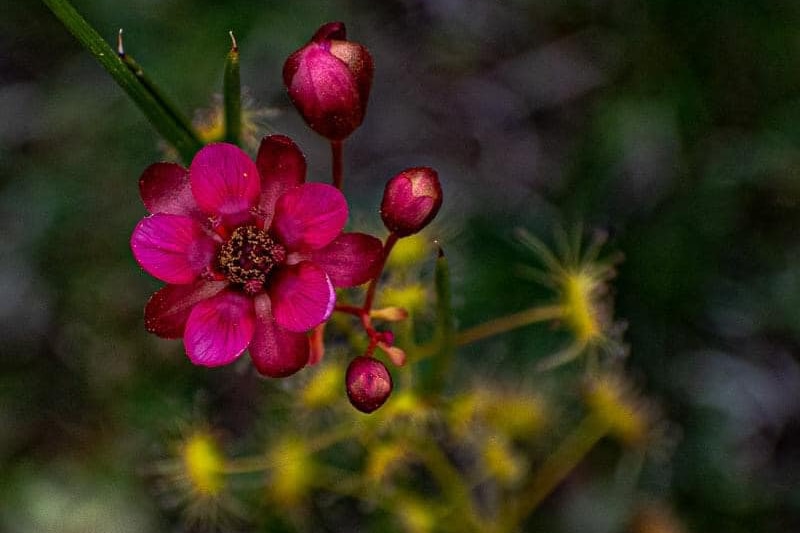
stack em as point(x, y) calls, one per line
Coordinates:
point(672, 125)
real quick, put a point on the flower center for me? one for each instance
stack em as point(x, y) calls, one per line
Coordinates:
point(248, 257)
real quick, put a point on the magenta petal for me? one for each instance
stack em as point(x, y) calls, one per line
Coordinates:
point(224, 180)
point(219, 329)
point(302, 296)
point(282, 166)
point(276, 352)
point(351, 259)
point(165, 188)
point(173, 248)
point(310, 216)
point(168, 309)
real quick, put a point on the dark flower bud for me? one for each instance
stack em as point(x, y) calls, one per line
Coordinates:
point(411, 200)
point(328, 80)
point(368, 382)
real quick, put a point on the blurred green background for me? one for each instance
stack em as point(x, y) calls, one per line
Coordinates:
point(672, 124)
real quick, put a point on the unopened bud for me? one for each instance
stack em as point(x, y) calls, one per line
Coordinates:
point(329, 80)
point(411, 200)
point(368, 382)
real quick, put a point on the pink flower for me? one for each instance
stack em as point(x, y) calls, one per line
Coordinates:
point(250, 254)
point(329, 80)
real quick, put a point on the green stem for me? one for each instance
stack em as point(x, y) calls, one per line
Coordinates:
point(435, 371)
point(185, 142)
point(233, 95)
point(509, 322)
point(554, 470)
point(444, 308)
point(451, 483)
point(262, 463)
point(152, 88)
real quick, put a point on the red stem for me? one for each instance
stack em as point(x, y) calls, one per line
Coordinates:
point(337, 163)
point(387, 249)
point(362, 315)
point(363, 312)
point(349, 309)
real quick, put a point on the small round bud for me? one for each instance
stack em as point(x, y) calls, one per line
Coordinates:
point(411, 200)
point(329, 80)
point(368, 382)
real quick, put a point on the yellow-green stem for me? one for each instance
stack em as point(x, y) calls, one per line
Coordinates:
point(435, 371)
point(261, 463)
point(451, 483)
point(554, 470)
point(506, 323)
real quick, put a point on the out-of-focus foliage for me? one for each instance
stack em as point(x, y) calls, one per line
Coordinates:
point(671, 125)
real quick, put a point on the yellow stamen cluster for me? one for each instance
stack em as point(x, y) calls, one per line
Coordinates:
point(502, 462)
point(292, 473)
point(513, 414)
point(580, 309)
point(629, 416)
point(324, 388)
point(580, 281)
point(383, 459)
point(417, 516)
point(209, 123)
point(203, 464)
point(412, 298)
point(406, 406)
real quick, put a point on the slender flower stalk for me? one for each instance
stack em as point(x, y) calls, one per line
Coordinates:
point(364, 312)
point(337, 164)
point(508, 323)
point(391, 240)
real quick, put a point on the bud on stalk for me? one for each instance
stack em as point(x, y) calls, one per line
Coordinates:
point(329, 80)
point(411, 200)
point(368, 383)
